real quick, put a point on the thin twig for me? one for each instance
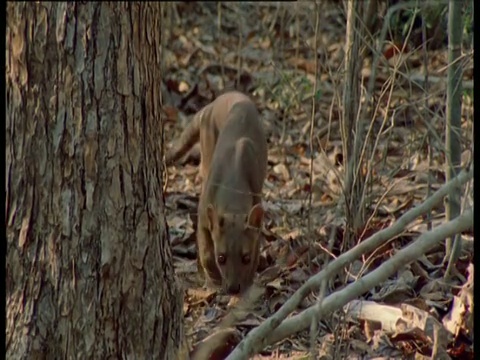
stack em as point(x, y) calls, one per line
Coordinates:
point(312, 119)
point(313, 329)
point(425, 117)
point(219, 32)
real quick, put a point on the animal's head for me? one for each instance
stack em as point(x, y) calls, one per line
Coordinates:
point(236, 239)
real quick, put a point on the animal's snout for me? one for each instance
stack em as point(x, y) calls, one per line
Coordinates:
point(233, 288)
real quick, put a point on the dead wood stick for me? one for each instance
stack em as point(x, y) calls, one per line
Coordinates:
point(423, 244)
point(257, 338)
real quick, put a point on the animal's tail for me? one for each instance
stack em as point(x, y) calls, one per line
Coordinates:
point(190, 136)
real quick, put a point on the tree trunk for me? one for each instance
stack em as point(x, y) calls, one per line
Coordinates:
point(453, 146)
point(352, 127)
point(89, 268)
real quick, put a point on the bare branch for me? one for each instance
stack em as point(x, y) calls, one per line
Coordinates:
point(424, 243)
point(257, 338)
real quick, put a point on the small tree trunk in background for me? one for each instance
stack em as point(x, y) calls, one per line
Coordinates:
point(89, 269)
point(454, 116)
point(351, 126)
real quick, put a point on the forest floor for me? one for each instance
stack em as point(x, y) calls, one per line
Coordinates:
point(273, 45)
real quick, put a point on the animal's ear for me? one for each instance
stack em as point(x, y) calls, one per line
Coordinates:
point(255, 217)
point(211, 215)
point(214, 218)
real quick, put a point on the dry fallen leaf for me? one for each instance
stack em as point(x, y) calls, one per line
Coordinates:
point(216, 346)
point(460, 317)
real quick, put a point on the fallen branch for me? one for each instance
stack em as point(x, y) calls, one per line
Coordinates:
point(257, 338)
point(423, 244)
point(420, 78)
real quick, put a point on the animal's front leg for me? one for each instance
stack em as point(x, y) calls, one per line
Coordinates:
point(206, 263)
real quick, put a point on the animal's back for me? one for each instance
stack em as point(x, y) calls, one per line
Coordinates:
point(243, 122)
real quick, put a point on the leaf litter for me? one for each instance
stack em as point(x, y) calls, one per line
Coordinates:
point(277, 69)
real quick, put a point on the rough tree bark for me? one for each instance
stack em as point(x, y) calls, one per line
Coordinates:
point(89, 270)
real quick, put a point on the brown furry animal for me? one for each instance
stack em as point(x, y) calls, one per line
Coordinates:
point(233, 168)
